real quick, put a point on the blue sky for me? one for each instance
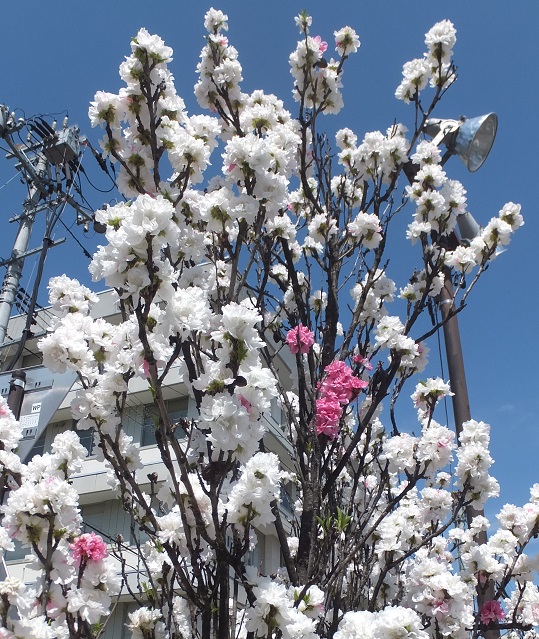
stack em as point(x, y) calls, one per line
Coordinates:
point(55, 55)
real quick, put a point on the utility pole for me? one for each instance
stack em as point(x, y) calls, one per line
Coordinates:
point(10, 286)
point(48, 163)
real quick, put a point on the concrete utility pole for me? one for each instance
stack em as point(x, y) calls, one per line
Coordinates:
point(48, 163)
point(10, 286)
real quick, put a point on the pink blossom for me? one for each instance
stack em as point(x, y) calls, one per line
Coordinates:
point(341, 381)
point(440, 608)
point(245, 403)
point(322, 46)
point(146, 368)
point(299, 339)
point(338, 388)
point(89, 546)
point(363, 361)
point(491, 612)
point(328, 415)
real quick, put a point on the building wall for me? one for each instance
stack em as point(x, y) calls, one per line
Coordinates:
point(103, 513)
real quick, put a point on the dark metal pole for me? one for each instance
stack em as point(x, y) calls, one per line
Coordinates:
point(461, 412)
point(455, 360)
point(16, 392)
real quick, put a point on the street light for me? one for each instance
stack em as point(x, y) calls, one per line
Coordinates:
point(469, 138)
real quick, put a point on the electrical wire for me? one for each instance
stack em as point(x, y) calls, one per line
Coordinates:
point(97, 188)
point(10, 180)
point(103, 164)
point(65, 113)
point(88, 206)
point(16, 109)
point(42, 318)
point(86, 253)
point(29, 278)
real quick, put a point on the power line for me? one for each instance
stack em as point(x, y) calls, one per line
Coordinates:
point(86, 253)
point(10, 180)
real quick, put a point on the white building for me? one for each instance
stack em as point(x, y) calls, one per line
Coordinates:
point(46, 412)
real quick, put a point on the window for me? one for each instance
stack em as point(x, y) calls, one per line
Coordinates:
point(255, 557)
point(93, 518)
point(115, 627)
point(19, 554)
point(287, 497)
point(86, 438)
point(108, 519)
point(276, 411)
point(39, 447)
point(176, 408)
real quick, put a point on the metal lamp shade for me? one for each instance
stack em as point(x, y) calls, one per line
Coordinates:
point(474, 140)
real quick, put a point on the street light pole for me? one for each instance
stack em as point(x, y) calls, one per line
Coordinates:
point(457, 374)
point(455, 359)
point(461, 411)
point(470, 139)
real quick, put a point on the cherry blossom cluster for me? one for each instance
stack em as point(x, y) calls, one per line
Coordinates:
point(10, 435)
point(366, 228)
point(317, 81)
point(188, 141)
point(299, 339)
point(474, 462)
point(88, 547)
point(262, 159)
point(250, 499)
point(231, 287)
point(434, 591)
point(68, 296)
point(75, 579)
point(293, 610)
point(390, 334)
point(426, 280)
point(389, 622)
point(495, 235)
point(97, 351)
point(435, 66)
point(219, 69)
point(430, 452)
point(438, 200)
point(377, 157)
point(146, 622)
point(428, 393)
point(372, 294)
point(338, 388)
